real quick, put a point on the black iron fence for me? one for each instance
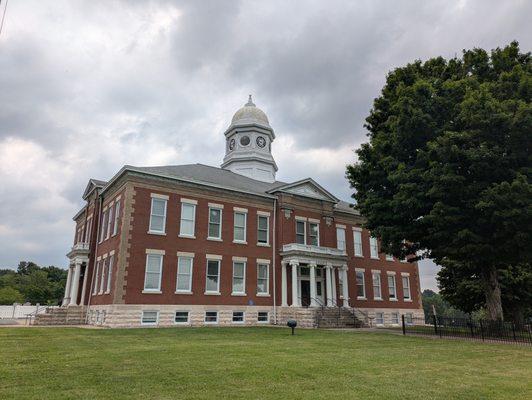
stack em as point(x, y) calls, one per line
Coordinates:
point(468, 328)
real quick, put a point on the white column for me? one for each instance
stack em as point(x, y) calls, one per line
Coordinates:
point(345, 287)
point(313, 302)
point(284, 285)
point(333, 283)
point(75, 285)
point(328, 278)
point(295, 296)
point(84, 287)
point(66, 299)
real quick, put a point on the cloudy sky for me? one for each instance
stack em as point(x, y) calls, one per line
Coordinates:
point(87, 86)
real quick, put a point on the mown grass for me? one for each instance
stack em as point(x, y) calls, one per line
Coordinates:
point(254, 363)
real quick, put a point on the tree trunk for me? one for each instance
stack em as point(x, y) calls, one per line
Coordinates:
point(492, 291)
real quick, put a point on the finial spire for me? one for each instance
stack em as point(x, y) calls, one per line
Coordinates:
point(250, 102)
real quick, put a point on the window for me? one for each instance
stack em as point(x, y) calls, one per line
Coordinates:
point(188, 215)
point(212, 284)
point(104, 270)
point(211, 317)
point(301, 232)
point(184, 274)
point(103, 225)
point(89, 230)
point(263, 316)
point(262, 278)
point(158, 215)
point(361, 285)
point(391, 287)
point(373, 248)
point(389, 257)
point(109, 273)
point(240, 220)
point(377, 286)
point(341, 283)
point(395, 318)
point(263, 229)
point(239, 277)
point(340, 238)
point(314, 233)
point(110, 218)
point(152, 279)
point(357, 238)
point(379, 318)
point(215, 223)
point(96, 278)
point(409, 318)
point(181, 317)
point(117, 217)
point(238, 317)
point(149, 317)
point(406, 287)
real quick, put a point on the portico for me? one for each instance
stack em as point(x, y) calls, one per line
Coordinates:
point(76, 283)
point(314, 271)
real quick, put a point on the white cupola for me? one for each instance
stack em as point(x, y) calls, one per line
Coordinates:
point(248, 149)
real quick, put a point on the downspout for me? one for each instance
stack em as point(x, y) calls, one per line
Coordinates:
point(274, 247)
point(97, 220)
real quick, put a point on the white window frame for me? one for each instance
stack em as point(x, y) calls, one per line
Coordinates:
point(96, 278)
point(340, 238)
point(211, 322)
point(153, 253)
point(373, 248)
point(102, 277)
point(260, 263)
point(219, 263)
point(245, 227)
point(394, 321)
point(155, 198)
point(117, 217)
point(149, 323)
point(243, 317)
point(243, 277)
point(187, 322)
point(219, 237)
point(89, 229)
point(381, 318)
point(103, 226)
point(406, 287)
point(183, 256)
point(193, 204)
point(267, 317)
point(361, 271)
point(259, 216)
point(310, 223)
point(298, 221)
point(357, 243)
point(109, 272)
point(390, 287)
point(110, 219)
point(389, 257)
point(377, 283)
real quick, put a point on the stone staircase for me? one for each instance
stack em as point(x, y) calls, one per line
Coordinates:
point(71, 315)
point(339, 317)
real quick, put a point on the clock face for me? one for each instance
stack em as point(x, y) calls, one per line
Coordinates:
point(244, 140)
point(232, 144)
point(261, 142)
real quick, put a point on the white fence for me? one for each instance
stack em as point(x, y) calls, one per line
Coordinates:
point(19, 311)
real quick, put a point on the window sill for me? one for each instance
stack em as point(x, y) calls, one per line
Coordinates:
point(156, 233)
point(182, 323)
point(215, 239)
point(374, 258)
point(152, 292)
point(186, 236)
point(107, 292)
point(263, 244)
point(212, 293)
point(377, 298)
point(183, 292)
point(359, 256)
point(408, 300)
point(263, 295)
point(211, 323)
point(361, 298)
point(394, 299)
point(238, 294)
point(240, 242)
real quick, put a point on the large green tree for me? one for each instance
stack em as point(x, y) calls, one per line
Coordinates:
point(446, 172)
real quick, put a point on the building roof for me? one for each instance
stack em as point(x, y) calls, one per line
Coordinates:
point(250, 114)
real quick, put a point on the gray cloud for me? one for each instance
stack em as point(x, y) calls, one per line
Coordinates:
point(88, 86)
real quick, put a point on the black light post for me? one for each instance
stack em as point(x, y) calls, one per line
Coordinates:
point(292, 323)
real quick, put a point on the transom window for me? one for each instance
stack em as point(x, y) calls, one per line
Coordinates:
point(152, 279)
point(340, 238)
point(262, 278)
point(239, 277)
point(361, 285)
point(262, 229)
point(181, 317)
point(212, 284)
point(238, 317)
point(188, 217)
point(184, 274)
point(392, 287)
point(314, 233)
point(149, 317)
point(158, 215)
point(215, 223)
point(357, 238)
point(301, 232)
point(240, 219)
point(406, 287)
point(377, 285)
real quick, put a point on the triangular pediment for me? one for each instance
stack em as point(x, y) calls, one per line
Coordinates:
point(307, 188)
point(93, 184)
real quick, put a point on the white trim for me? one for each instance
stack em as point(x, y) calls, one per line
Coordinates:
point(163, 230)
point(189, 201)
point(314, 220)
point(148, 291)
point(211, 322)
point(267, 292)
point(185, 254)
point(158, 289)
point(159, 196)
point(263, 213)
point(267, 244)
point(391, 273)
point(356, 228)
point(188, 235)
point(405, 273)
point(191, 258)
point(213, 257)
point(111, 253)
point(104, 256)
point(118, 197)
point(268, 317)
point(245, 214)
point(298, 218)
point(263, 261)
point(149, 323)
point(240, 259)
point(219, 237)
point(240, 210)
point(216, 205)
point(243, 292)
point(377, 271)
point(341, 226)
point(188, 317)
point(98, 258)
point(155, 251)
point(219, 262)
point(243, 317)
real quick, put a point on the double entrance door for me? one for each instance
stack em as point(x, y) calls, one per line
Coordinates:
point(304, 286)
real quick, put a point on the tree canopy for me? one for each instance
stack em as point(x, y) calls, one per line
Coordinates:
point(446, 172)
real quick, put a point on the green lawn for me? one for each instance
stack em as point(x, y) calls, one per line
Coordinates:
point(254, 363)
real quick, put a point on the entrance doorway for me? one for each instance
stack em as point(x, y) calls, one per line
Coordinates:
point(305, 293)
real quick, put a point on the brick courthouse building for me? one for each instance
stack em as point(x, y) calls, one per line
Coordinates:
point(195, 245)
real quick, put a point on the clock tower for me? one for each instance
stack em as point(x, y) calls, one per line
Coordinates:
point(248, 149)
